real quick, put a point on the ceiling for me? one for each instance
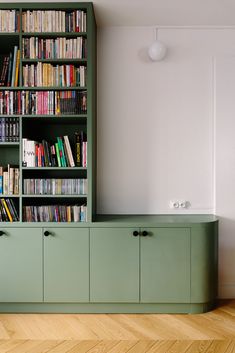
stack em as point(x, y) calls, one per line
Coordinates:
point(162, 12)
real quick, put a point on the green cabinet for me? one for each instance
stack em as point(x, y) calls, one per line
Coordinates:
point(118, 264)
point(21, 265)
point(63, 254)
point(127, 266)
point(66, 264)
point(114, 265)
point(165, 265)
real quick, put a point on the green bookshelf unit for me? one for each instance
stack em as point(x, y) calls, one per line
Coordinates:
point(48, 87)
point(56, 253)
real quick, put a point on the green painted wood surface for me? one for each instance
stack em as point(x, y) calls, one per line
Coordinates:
point(165, 265)
point(114, 265)
point(66, 265)
point(118, 308)
point(204, 263)
point(154, 220)
point(21, 265)
point(111, 221)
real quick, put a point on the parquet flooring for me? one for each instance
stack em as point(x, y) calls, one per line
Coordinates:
point(213, 332)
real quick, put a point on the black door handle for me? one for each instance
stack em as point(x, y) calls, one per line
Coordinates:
point(2, 233)
point(46, 233)
point(144, 233)
point(135, 233)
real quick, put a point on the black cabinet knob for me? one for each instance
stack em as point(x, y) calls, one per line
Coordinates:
point(2, 233)
point(46, 233)
point(144, 233)
point(135, 233)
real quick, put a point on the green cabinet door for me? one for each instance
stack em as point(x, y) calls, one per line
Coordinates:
point(21, 265)
point(114, 265)
point(165, 265)
point(66, 264)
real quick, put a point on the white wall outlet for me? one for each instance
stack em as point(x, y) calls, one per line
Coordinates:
point(183, 204)
point(174, 204)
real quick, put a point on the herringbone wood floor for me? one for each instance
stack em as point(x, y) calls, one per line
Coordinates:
point(115, 333)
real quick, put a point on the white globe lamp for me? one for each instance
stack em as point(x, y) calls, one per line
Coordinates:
point(157, 50)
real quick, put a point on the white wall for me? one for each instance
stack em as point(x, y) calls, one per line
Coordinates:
point(166, 129)
point(225, 170)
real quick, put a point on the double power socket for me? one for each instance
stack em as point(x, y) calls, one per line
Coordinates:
point(179, 204)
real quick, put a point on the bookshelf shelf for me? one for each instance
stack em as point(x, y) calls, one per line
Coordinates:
point(53, 88)
point(53, 168)
point(9, 144)
point(45, 116)
point(55, 61)
point(9, 196)
point(45, 88)
point(12, 34)
point(54, 196)
point(54, 34)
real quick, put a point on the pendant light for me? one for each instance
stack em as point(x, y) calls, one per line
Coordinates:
point(157, 50)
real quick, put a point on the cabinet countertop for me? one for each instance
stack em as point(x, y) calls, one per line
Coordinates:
point(121, 220)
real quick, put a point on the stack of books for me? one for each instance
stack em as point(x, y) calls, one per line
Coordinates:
point(9, 180)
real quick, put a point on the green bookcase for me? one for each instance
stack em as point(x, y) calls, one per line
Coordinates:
point(56, 80)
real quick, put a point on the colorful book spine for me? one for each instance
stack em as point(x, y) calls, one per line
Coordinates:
point(14, 65)
point(1, 180)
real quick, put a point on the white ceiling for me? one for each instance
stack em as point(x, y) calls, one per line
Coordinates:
point(162, 12)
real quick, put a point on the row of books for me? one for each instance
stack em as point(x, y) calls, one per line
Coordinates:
point(58, 154)
point(54, 48)
point(55, 213)
point(8, 212)
point(43, 102)
point(9, 180)
point(9, 70)
point(9, 21)
point(9, 129)
point(55, 186)
point(54, 21)
point(47, 75)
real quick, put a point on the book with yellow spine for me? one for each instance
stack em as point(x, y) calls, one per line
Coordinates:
point(7, 210)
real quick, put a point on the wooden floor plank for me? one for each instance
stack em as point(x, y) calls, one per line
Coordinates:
point(6, 345)
point(161, 346)
point(141, 347)
point(141, 327)
point(83, 347)
point(123, 346)
point(64, 346)
point(101, 347)
point(220, 347)
point(26, 346)
point(177, 329)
